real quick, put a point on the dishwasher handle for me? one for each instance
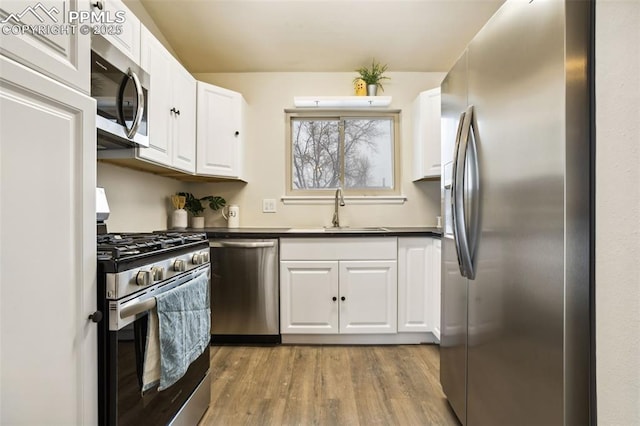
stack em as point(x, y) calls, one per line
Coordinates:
point(232, 244)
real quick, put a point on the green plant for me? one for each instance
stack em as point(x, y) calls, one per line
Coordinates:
point(194, 205)
point(373, 75)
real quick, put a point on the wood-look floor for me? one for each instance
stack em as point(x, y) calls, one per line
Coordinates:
point(327, 385)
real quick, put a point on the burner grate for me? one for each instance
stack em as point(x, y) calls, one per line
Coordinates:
point(121, 246)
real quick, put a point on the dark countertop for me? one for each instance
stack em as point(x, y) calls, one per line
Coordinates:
point(299, 233)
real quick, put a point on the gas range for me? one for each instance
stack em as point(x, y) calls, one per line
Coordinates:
point(131, 262)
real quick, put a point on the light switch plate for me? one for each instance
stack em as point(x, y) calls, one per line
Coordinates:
point(268, 205)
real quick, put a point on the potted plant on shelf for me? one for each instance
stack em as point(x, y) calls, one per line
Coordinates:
point(372, 76)
point(194, 206)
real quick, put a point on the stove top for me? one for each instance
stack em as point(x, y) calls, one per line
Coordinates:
point(132, 245)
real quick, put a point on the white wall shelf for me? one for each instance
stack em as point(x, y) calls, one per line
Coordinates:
point(341, 101)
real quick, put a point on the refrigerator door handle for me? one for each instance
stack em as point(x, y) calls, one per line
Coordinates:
point(456, 226)
point(474, 194)
point(460, 190)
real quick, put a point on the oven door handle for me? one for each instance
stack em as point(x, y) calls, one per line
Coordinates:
point(138, 308)
point(148, 301)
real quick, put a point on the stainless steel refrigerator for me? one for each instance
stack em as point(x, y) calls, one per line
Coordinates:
point(516, 281)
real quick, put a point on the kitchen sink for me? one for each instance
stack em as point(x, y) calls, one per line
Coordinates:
point(341, 229)
point(356, 229)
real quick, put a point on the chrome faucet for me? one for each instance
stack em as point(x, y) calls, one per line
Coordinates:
point(336, 218)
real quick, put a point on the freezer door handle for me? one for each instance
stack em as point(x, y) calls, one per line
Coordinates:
point(253, 244)
point(466, 182)
point(454, 190)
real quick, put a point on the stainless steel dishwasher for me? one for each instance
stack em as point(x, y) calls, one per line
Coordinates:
point(245, 291)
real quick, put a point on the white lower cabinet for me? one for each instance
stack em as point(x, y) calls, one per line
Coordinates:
point(308, 297)
point(338, 286)
point(48, 347)
point(367, 299)
point(419, 285)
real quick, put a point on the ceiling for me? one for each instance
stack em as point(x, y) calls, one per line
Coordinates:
point(318, 35)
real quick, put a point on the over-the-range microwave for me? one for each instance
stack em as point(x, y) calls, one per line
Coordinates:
point(121, 90)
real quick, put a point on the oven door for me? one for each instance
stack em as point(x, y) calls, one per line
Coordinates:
point(126, 346)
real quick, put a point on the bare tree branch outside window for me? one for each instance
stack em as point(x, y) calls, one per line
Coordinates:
point(317, 152)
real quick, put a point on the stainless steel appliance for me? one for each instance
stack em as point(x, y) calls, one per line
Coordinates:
point(121, 90)
point(245, 291)
point(516, 336)
point(133, 269)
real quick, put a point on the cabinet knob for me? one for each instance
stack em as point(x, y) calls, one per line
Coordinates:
point(96, 316)
point(175, 111)
point(98, 5)
point(334, 298)
point(343, 298)
point(237, 133)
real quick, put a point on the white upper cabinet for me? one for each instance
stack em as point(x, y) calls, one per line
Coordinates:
point(48, 346)
point(64, 57)
point(426, 135)
point(220, 132)
point(125, 34)
point(183, 112)
point(172, 103)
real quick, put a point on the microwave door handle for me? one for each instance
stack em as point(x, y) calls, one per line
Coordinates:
point(140, 111)
point(454, 205)
point(131, 131)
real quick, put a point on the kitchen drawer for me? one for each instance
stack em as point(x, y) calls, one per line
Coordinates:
point(369, 248)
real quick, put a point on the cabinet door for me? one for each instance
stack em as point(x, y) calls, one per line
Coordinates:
point(184, 119)
point(128, 41)
point(307, 292)
point(368, 297)
point(158, 62)
point(426, 135)
point(63, 57)
point(415, 296)
point(48, 347)
point(435, 285)
point(218, 131)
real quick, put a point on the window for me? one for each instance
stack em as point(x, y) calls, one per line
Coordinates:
point(354, 150)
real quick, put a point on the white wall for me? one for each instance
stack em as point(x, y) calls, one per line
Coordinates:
point(618, 211)
point(138, 201)
point(267, 95)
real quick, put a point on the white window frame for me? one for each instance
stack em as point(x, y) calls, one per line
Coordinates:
point(360, 194)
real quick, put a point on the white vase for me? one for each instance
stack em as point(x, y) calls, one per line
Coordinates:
point(372, 89)
point(197, 222)
point(179, 219)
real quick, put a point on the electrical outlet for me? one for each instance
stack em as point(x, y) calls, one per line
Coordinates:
point(268, 205)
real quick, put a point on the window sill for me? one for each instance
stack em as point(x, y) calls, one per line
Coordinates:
point(330, 199)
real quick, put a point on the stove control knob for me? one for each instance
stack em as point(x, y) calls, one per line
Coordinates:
point(179, 265)
point(197, 259)
point(158, 273)
point(143, 278)
point(205, 256)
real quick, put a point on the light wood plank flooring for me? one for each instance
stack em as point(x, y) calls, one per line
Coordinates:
point(327, 385)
